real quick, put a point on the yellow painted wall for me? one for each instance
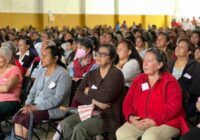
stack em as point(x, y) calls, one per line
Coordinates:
point(159, 21)
point(93, 20)
point(61, 20)
point(130, 19)
point(20, 20)
point(21, 13)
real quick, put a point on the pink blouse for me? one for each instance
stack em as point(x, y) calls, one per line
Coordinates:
point(15, 92)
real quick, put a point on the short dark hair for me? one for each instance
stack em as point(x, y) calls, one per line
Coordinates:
point(134, 53)
point(48, 34)
point(142, 38)
point(190, 46)
point(55, 51)
point(166, 35)
point(196, 32)
point(112, 51)
point(87, 43)
point(70, 41)
point(160, 57)
point(27, 40)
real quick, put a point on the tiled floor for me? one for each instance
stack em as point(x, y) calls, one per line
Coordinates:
point(41, 132)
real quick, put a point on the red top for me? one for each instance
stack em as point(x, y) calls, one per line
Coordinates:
point(19, 66)
point(175, 24)
point(80, 70)
point(162, 102)
point(14, 93)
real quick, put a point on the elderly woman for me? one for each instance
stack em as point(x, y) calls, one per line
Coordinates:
point(103, 88)
point(10, 85)
point(153, 105)
point(130, 62)
point(186, 70)
point(13, 49)
point(24, 55)
point(50, 89)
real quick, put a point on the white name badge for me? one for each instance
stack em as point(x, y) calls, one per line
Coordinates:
point(5, 79)
point(145, 86)
point(93, 87)
point(186, 75)
point(51, 85)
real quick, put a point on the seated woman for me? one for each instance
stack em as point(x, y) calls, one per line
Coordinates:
point(195, 38)
point(67, 47)
point(194, 133)
point(163, 43)
point(36, 63)
point(129, 61)
point(140, 45)
point(50, 89)
point(186, 70)
point(10, 85)
point(84, 61)
point(153, 106)
point(101, 87)
point(13, 49)
point(24, 55)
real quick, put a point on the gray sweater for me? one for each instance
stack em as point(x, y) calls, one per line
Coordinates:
point(51, 94)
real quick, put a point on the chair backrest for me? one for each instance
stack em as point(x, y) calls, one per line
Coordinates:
point(190, 110)
point(27, 84)
point(75, 85)
point(28, 81)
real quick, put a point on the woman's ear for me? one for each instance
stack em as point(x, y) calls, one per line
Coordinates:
point(56, 58)
point(168, 42)
point(160, 65)
point(129, 52)
point(88, 51)
point(28, 46)
point(188, 54)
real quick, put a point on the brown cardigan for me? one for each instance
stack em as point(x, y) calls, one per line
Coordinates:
point(109, 90)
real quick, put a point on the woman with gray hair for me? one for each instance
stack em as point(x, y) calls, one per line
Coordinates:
point(10, 85)
point(13, 49)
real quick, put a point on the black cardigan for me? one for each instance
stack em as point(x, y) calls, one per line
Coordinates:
point(190, 79)
point(27, 60)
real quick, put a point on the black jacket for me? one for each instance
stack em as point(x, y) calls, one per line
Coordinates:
point(190, 79)
point(27, 60)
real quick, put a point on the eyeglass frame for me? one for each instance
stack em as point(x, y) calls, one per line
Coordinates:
point(101, 54)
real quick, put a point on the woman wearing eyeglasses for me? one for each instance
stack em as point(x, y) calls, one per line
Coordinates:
point(103, 88)
point(129, 61)
point(153, 105)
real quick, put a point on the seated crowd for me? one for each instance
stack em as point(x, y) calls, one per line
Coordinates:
point(125, 83)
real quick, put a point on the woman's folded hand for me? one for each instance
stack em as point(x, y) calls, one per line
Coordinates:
point(64, 108)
